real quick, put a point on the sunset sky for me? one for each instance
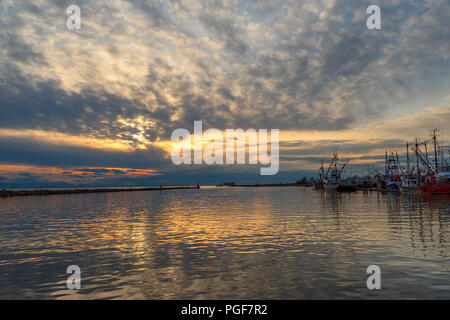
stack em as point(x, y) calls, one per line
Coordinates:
point(97, 106)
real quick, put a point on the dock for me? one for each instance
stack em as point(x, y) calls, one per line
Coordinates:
point(266, 185)
point(378, 190)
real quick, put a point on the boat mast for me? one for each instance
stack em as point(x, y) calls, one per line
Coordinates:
point(398, 162)
point(435, 150)
point(329, 168)
point(335, 167)
point(407, 156)
point(321, 172)
point(417, 161)
point(386, 165)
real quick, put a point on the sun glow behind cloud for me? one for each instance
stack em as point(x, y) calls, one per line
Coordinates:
point(58, 138)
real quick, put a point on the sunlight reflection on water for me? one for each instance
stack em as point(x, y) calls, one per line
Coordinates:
point(214, 243)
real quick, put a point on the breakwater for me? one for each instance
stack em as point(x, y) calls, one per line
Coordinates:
point(43, 192)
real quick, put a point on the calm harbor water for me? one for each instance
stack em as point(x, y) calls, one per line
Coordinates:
point(225, 243)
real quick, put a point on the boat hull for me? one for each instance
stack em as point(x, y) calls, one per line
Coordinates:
point(406, 189)
point(437, 188)
point(392, 186)
point(331, 187)
point(438, 183)
point(340, 187)
point(346, 188)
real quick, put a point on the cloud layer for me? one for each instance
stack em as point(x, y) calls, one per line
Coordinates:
point(137, 70)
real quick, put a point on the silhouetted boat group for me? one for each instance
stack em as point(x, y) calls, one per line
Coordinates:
point(420, 175)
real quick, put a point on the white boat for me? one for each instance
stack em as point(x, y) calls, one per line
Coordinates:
point(410, 183)
point(332, 178)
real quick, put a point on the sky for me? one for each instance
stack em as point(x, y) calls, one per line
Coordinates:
point(97, 106)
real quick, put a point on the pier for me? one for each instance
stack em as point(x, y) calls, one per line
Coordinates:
point(378, 190)
point(265, 185)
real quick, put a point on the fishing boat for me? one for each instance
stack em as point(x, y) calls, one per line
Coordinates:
point(410, 180)
point(394, 183)
point(410, 183)
point(332, 178)
point(392, 172)
point(436, 178)
point(438, 183)
point(391, 179)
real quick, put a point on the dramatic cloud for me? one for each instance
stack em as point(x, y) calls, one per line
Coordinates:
point(139, 69)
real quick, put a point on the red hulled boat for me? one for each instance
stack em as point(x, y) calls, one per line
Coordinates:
point(438, 183)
